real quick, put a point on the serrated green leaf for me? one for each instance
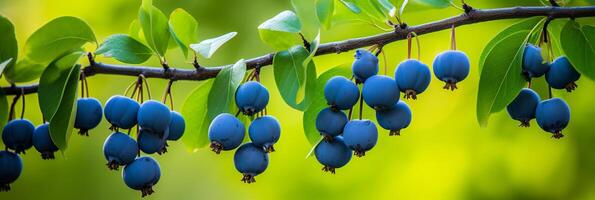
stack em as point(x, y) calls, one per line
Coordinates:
point(280, 31)
point(295, 80)
point(8, 41)
point(195, 111)
point(3, 112)
point(124, 49)
point(501, 78)
point(183, 28)
point(435, 3)
point(208, 47)
point(324, 12)
point(221, 96)
point(155, 27)
point(579, 45)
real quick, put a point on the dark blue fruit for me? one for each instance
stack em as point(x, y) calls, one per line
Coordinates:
point(341, 93)
point(365, 65)
point(142, 174)
point(394, 119)
point(252, 97)
point(360, 136)
point(226, 132)
point(451, 67)
point(250, 160)
point(151, 142)
point(177, 126)
point(413, 77)
point(121, 112)
point(18, 135)
point(119, 149)
point(11, 166)
point(553, 116)
point(562, 74)
point(522, 108)
point(42, 141)
point(330, 123)
point(332, 154)
point(533, 64)
point(88, 115)
point(380, 92)
point(265, 132)
point(153, 116)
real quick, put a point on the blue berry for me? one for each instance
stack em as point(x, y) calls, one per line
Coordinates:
point(151, 142)
point(42, 141)
point(360, 136)
point(562, 74)
point(380, 92)
point(533, 64)
point(330, 123)
point(341, 93)
point(265, 132)
point(121, 112)
point(142, 174)
point(553, 116)
point(252, 97)
point(153, 116)
point(11, 167)
point(394, 119)
point(18, 135)
point(250, 160)
point(332, 154)
point(413, 77)
point(119, 149)
point(88, 115)
point(177, 126)
point(226, 132)
point(365, 65)
point(522, 108)
point(451, 67)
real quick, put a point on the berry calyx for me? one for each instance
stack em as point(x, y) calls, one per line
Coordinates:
point(226, 132)
point(451, 67)
point(43, 142)
point(562, 74)
point(553, 115)
point(250, 160)
point(413, 77)
point(523, 107)
point(142, 174)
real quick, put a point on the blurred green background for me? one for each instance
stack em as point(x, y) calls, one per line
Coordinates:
point(444, 154)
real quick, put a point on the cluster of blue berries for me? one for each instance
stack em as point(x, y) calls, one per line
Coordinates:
point(552, 115)
point(227, 132)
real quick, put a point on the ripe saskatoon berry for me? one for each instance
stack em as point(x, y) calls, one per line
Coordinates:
point(151, 142)
point(142, 174)
point(250, 160)
point(226, 132)
point(330, 123)
point(11, 166)
point(365, 65)
point(341, 93)
point(153, 116)
point(332, 154)
point(252, 97)
point(88, 115)
point(18, 135)
point(553, 116)
point(562, 74)
point(121, 112)
point(119, 149)
point(43, 142)
point(380, 92)
point(177, 125)
point(451, 67)
point(394, 119)
point(413, 77)
point(265, 132)
point(360, 136)
point(533, 65)
point(522, 108)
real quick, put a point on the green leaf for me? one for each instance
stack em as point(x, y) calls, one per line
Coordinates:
point(4, 64)
point(319, 102)
point(579, 45)
point(324, 11)
point(195, 111)
point(501, 79)
point(24, 71)
point(183, 28)
point(295, 80)
point(136, 32)
point(526, 24)
point(208, 47)
point(387, 6)
point(154, 26)
point(8, 41)
point(352, 6)
point(435, 3)
point(313, 48)
point(62, 122)
point(280, 31)
point(221, 96)
point(3, 112)
point(124, 49)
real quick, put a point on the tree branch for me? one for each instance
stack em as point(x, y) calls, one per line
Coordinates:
point(475, 16)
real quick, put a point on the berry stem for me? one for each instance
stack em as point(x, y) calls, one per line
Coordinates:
point(361, 106)
point(453, 38)
point(410, 35)
point(550, 91)
point(168, 94)
point(12, 105)
point(23, 107)
point(385, 62)
point(147, 85)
